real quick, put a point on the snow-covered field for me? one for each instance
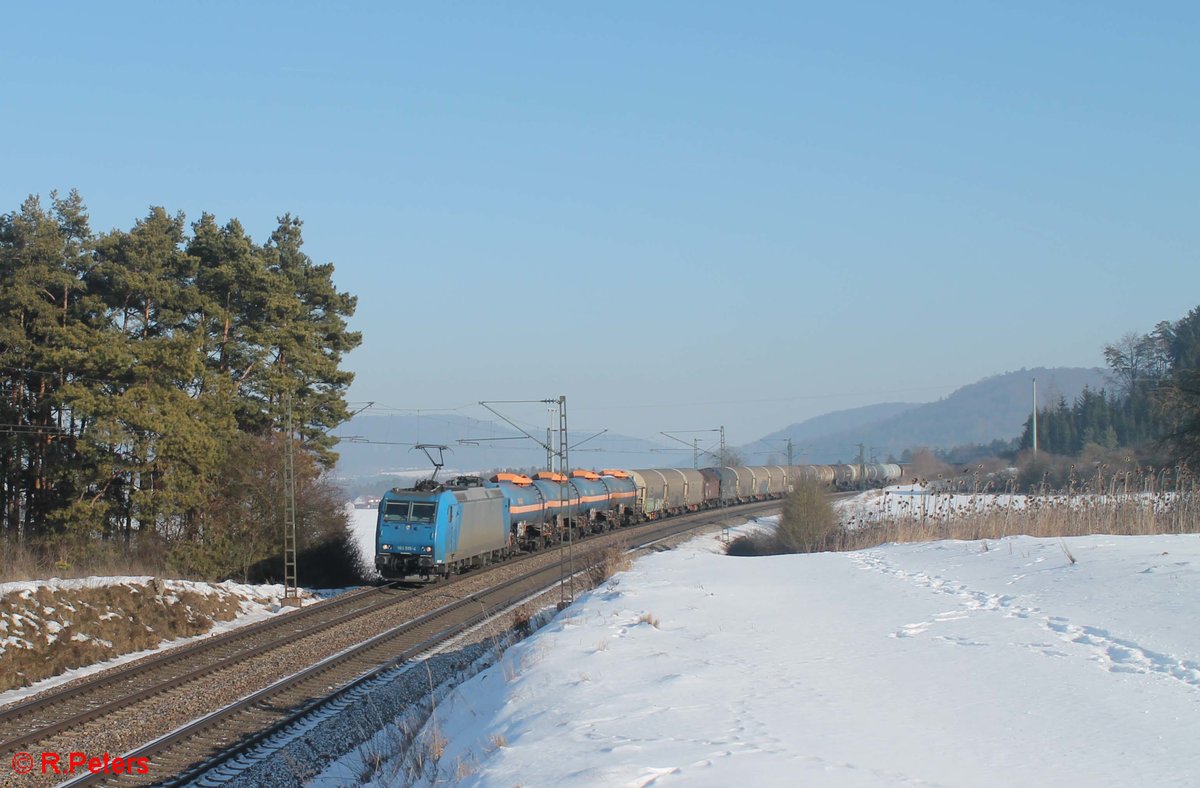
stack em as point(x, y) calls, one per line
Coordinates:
point(943, 663)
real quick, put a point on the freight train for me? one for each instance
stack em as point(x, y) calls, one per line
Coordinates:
point(434, 529)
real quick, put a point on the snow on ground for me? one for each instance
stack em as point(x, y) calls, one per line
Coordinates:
point(942, 663)
point(917, 502)
point(362, 523)
point(26, 614)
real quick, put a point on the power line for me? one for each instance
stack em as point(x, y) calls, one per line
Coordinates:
point(379, 406)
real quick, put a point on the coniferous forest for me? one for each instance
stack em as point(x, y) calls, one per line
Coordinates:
point(1154, 405)
point(145, 378)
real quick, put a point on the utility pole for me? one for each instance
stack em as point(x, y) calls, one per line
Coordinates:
point(291, 589)
point(565, 565)
point(1035, 419)
point(789, 447)
point(723, 460)
point(862, 466)
point(564, 490)
point(566, 596)
point(695, 444)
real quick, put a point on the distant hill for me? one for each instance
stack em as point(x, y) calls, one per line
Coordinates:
point(995, 408)
point(376, 444)
point(838, 421)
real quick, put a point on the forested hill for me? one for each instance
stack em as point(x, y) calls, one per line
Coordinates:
point(995, 408)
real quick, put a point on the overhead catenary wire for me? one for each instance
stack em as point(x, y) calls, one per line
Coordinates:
point(469, 441)
point(678, 404)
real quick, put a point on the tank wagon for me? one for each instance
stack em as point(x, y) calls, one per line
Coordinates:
point(622, 497)
point(605, 501)
point(872, 474)
point(531, 522)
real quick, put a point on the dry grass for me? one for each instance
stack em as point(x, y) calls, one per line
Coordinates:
point(522, 620)
point(68, 558)
point(465, 768)
point(429, 747)
point(63, 628)
point(611, 560)
point(649, 618)
point(1103, 506)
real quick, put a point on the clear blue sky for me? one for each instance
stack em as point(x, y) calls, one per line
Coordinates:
point(678, 214)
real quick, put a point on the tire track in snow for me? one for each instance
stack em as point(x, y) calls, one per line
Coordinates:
point(1115, 654)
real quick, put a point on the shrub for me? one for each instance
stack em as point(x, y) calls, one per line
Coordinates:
point(1045, 473)
point(926, 466)
point(611, 559)
point(754, 544)
point(522, 620)
point(808, 523)
point(242, 535)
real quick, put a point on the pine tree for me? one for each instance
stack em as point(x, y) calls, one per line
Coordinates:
point(43, 258)
point(166, 437)
point(136, 366)
point(1180, 395)
point(305, 337)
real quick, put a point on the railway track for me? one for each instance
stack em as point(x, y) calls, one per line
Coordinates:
point(205, 744)
point(26, 725)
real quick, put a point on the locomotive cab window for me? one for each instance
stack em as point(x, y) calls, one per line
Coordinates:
point(396, 510)
point(423, 512)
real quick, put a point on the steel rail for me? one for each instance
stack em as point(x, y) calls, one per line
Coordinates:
point(209, 741)
point(26, 723)
point(75, 704)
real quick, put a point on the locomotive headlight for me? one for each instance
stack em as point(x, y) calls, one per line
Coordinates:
point(429, 548)
point(387, 547)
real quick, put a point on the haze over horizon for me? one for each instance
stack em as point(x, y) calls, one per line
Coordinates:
point(680, 215)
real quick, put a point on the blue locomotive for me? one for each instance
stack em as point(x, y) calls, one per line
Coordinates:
point(433, 529)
